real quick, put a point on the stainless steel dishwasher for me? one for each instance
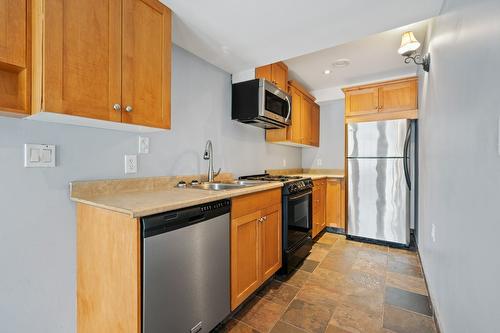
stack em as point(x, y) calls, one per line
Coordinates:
point(186, 269)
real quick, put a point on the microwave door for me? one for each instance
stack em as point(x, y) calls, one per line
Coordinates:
point(275, 104)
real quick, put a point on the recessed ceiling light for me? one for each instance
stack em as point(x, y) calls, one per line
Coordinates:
point(327, 71)
point(339, 63)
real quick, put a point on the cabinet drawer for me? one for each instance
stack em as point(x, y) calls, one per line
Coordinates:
point(250, 203)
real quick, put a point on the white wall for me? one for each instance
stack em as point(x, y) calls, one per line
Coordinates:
point(331, 148)
point(37, 232)
point(460, 166)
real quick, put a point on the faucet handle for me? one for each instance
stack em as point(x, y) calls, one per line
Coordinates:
point(217, 173)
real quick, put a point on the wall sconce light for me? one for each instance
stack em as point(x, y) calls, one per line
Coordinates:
point(408, 48)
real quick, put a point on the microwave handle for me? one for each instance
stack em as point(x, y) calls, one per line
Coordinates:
point(289, 109)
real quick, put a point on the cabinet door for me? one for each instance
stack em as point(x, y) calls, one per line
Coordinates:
point(146, 63)
point(280, 75)
point(322, 206)
point(315, 124)
point(13, 32)
point(399, 96)
point(264, 72)
point(295, 130)
point(306, 110)
point(81, 45)
point(361, 101)
point(333, 203)
point(245, 257)
point(270, 236)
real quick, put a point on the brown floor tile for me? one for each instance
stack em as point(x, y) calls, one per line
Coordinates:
point(308, 265)
point(296, 278)
point(338, 263)
point(365, 300)
point(405, 259)
point(317, 254)
point(310, 317)
point(369, 266)
point(373, 255)
point(406, 282)
point(282, 327)
point(316, 294)
point(327, 238)
point(402, 321)
point(322, 246)
point(405, 252)
point(371, 282)
point(235, 326)
point(376, 247)
point(350, 318)
point(260, 314)
point(402, 268)
point(335, 329)
point(278, 292)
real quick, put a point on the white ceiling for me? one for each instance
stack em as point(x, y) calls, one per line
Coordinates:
point(372, 58)
point(239, 34)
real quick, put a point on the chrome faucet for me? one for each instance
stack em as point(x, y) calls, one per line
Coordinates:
point(209, 155)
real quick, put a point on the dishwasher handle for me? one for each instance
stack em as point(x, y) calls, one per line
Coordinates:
point(164, 222)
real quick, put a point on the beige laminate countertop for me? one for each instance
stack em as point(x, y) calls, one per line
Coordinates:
point(148, 202)
point(314, 176)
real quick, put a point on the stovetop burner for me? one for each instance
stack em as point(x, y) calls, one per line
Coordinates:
point(293, 184)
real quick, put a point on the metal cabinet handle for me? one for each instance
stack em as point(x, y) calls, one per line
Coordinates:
point(117, 107)
point(128, 108)
point(265, 218)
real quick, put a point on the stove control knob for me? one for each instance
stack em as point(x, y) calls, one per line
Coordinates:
point(181, 184)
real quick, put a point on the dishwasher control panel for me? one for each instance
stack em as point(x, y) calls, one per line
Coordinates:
point(215, 205)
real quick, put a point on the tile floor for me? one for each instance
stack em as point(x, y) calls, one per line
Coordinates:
point(343, 287)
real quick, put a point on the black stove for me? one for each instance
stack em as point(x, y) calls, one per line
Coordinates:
point(297, 217)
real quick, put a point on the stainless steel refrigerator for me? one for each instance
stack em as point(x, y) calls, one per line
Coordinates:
point(381, 180)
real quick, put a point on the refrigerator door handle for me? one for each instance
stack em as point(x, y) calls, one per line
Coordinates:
point(406, 157)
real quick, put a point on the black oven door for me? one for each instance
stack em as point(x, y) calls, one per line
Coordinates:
point(298, 215)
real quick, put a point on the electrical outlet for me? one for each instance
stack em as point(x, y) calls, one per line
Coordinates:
point(319, 162)
point(130, 164)
point(143, 145)
point(284, 162)
point(433, 233)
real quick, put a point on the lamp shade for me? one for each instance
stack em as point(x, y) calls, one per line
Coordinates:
point(409, 44)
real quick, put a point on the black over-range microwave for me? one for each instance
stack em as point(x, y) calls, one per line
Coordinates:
point(260, 103)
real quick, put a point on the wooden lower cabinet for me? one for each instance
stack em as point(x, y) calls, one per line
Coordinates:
point(319, 206)
point(108, 271)
point(255, 242)
point(335, 207)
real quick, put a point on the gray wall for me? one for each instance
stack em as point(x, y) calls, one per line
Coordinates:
point(331, 148)
point(37, 235)
point(460, 166)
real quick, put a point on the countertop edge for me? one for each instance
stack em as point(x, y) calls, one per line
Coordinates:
point(210, 196)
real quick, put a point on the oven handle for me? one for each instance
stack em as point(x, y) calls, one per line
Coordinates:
point(299, 195)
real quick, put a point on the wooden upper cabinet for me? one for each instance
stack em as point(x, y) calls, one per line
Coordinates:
point(315, 124)
point(122, 59)
point(146, 74)
point(13, 32)
point(14, 62)
point(81, 62)
point(276, 73)
point(307, 105)
point(396, 99)
point(398, 96)
point(361, 101)
point(280, 75)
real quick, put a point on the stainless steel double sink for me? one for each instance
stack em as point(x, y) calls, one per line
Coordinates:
point(231, 185)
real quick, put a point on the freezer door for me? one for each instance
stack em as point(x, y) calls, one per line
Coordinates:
point(377, 138)
point(378, 200)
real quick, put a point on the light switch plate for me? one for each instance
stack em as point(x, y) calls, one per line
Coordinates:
point(39, 156)
point(143, 145)
point(130, 164)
